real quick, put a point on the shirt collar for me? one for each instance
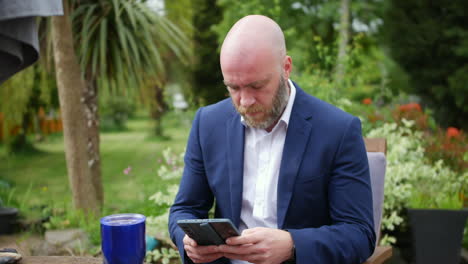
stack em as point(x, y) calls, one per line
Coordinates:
point(287, 111)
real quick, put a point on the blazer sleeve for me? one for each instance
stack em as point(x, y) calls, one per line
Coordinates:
point(350, 238)
point(194, 198)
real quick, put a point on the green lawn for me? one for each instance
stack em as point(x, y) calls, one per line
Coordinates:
point(40, 178)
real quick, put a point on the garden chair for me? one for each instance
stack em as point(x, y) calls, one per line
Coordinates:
point(376, 151)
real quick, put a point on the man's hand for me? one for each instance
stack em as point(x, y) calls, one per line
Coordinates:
point(260, 246)
point(200, 254)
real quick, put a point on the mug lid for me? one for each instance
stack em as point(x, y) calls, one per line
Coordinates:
point(123, 219)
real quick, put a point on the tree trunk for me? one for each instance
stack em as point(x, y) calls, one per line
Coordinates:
point(344, 37)
point(92, 122)
point(158, 109)
point(71, 88)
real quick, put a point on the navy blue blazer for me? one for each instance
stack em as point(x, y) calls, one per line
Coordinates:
point(324, 192)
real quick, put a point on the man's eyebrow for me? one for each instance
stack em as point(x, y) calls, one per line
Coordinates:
point(252, 84)
point(230, 84)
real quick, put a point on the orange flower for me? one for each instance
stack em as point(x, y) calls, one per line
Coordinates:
point(410, 107)
point(452, 132)
point(367, 101)
point(415, 106)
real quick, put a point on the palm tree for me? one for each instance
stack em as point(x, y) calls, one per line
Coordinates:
point(120, 45)
point(70, 87)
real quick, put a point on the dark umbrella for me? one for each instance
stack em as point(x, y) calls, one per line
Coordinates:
point(19, 45)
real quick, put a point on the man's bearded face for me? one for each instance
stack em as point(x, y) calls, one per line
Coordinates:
point(263, 116)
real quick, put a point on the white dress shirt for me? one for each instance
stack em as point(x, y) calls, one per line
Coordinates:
point(262, 159)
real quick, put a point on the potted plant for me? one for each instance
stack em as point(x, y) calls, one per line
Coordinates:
point(8, 215)
point(436, 214)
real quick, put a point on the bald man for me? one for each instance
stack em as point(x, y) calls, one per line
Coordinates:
point(288, 169)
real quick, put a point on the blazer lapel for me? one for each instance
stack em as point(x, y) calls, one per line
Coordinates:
point(294, 146)
point(235, 160)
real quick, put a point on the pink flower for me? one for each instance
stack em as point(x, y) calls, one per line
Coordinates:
point(127, 170)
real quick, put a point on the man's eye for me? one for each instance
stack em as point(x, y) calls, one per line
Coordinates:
point(232, 88)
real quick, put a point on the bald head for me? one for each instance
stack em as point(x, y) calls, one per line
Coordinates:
point(256, 68)
point(254, 35)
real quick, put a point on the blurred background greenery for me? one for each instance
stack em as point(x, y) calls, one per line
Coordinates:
point(151, 64)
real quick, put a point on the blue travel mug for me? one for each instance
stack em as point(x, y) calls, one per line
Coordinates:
point(123, 238)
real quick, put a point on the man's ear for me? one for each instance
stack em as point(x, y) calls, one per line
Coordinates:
point(287, 66)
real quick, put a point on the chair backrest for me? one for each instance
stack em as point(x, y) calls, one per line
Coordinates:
point(376, 150)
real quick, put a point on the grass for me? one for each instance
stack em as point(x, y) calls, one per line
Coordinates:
point(39, 178)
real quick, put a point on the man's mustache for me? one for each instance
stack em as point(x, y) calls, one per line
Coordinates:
point(251, 109)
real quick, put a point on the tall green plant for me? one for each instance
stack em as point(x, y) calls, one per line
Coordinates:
point(21, 97)
point(430, 41)
point(122, 43)
point(207, 85)
point(121, 46)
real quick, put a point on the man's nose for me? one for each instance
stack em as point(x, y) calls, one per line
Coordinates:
point(246, 99)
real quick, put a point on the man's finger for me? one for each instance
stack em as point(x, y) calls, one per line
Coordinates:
point(188, 241)
point(243, 239)
point(203, 250)
point(249, 231)
point(239, 250)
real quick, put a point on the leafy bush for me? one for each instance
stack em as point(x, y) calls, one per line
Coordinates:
point(411, 178)
point(61, 216)
point(451, 146)
point(118, 109)
point(171, 169)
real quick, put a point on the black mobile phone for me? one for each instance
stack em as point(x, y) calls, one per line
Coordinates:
point(209, 231)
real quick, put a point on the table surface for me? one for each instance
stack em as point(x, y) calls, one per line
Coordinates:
point(381, 254)
point(60, 260)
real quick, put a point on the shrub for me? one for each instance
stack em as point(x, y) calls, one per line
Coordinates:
point(411, 111)
point(171, 168)
point(118, 109)
point(451, 146)
point(410, 175)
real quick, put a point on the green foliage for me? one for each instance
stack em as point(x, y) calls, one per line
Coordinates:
point(446, 201)
point(15, 94)
point(163, 255)
point(181, 14)
point(171, 168)
point(318, 84)
point(410, 177)
point(62, 217)
point(430, 42)
point(121, 41)
point(40, 179)
point(21, 97)
point(450, 146)
point(118, 109)
point(366, 76)
point(6, 194)
point(302, 21)
point(207, 77)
